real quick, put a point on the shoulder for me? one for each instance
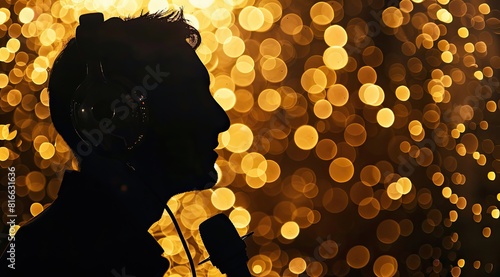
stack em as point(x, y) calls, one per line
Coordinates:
point(34, 245)
point(75, 238)
point(38, 244)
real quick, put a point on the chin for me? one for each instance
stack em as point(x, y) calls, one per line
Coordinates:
point(199, 181)
point(206, 181)
point(197, 176)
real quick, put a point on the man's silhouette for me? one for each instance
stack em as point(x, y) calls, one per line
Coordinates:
point(98, 224)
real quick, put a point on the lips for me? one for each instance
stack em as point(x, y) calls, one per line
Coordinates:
point(214, 155)
point(215, 144)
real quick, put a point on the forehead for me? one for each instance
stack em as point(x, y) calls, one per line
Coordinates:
point(184, 65)
point(170, 53)
point(183, 94)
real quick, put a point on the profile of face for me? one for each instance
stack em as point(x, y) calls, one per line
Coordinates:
point(185, 121)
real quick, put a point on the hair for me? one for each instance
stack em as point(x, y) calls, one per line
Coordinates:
point(124, 47)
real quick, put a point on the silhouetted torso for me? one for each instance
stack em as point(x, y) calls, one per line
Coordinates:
point(84, 233)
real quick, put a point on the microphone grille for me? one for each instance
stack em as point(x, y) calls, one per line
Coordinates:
point(218, 231)
point(221, 240)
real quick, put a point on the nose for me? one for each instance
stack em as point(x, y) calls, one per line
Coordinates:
point(220, 120)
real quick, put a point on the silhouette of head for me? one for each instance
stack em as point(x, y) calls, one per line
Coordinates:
point(133, 90)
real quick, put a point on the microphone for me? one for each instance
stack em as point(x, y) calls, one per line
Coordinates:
point(227, 250)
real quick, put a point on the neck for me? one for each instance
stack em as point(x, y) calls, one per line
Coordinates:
point(124, 187)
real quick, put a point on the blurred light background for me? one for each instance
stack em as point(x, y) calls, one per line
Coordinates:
point(365, 136)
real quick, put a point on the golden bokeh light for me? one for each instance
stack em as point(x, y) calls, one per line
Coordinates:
point(355, 134)
point(388, 231)
point(274, 69)
point(223, 198)
point(338, 95)
point(392, 17)
point(290, 230)
point(4, 15)
point(367, 74)
point(240, 217)
point(322, 13)
point(369, 208)
point(385, 266)
point(47, 150)
point(385, 117)
point(313, 81)
point(225, 98)
point(36, 208)
point(291, 24)
point(370, 175)
point(269, 100)
point(323, 109)
point(306, 137)
point(326, 149)
point(403, 93)
point(371, 94)
point(233, 47)
point(341, 170)
point(335, 57)
point(4, 153)
point(26, 15)
point(238, 138)
point(251, 18)
point(297, 265)
point(358, 256)
point(335, 35)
